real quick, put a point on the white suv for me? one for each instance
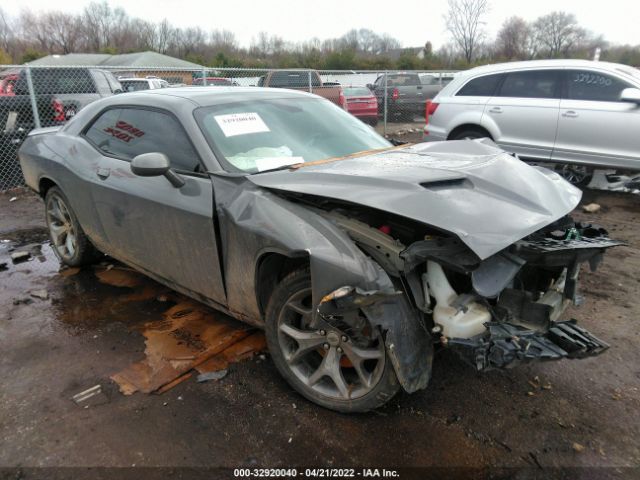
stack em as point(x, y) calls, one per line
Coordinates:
point(566, 111)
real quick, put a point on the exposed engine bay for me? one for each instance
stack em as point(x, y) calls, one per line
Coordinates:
point(495, 312)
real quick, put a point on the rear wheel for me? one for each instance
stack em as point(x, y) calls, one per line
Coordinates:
point(578, 175)
point(342, 367)
point(469, 134)
point(68, 240)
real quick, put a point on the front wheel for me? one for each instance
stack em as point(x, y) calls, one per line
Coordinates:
point(343, 367)
point(68, 240)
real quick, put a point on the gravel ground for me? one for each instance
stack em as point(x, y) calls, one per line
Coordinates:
point(535, 421)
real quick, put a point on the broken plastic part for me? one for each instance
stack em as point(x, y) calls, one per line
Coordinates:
point(505, 345)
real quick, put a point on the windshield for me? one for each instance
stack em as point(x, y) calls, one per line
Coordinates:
point(357, 92)
point(134, 85)
point(258, 135)
point(632, 72)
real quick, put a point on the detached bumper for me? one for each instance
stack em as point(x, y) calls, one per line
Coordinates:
point(505, 345)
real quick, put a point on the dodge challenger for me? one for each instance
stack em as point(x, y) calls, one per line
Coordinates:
point(357, 257)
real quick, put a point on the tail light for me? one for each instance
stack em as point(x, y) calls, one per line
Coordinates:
point(58, 111)
point(429, 109)
point(395, 94)
point(342, 100)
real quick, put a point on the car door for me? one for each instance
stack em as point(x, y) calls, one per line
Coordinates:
point(523, 114)
point(595, 127)
point(148, 223)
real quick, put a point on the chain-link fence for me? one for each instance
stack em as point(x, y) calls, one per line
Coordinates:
point(37, 96)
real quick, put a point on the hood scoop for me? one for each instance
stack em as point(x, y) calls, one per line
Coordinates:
point(448, 184)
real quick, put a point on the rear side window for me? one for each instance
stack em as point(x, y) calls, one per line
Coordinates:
point(294, 79)
point(594, 86)
point(128, 132)
point(531, 84)
point(51, 81)
point(481, 87)
point(403, 80)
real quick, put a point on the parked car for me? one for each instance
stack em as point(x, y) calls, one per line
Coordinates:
point(432, 83)
point(7, 83)
point(405, 96)
point(355, 256)
point(573, 112)
point(59, 94)
point(134, 84)
point(307, 81)
point(362, 104)
point(214, 82)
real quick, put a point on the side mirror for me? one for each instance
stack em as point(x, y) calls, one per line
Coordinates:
point(631, 95)
point(117, 91)
point(154, 164)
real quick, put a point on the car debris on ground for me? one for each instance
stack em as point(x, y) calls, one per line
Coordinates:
point(215, 375)
point(41, 294)
point(591, 208)
point(90, 397)
point(22, 256)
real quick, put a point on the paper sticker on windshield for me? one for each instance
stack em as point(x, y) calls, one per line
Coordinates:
point(268, 163)
point(241, 124)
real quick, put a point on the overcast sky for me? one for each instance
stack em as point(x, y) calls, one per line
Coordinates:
point(413, 22)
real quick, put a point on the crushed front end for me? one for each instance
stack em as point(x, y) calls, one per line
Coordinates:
point(495, 312)
point(512, 302)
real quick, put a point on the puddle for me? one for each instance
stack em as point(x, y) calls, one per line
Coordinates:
point(180, 334)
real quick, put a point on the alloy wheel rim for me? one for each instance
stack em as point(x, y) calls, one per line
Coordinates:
point(335, 363)
point(574, 173)
point(63, 233)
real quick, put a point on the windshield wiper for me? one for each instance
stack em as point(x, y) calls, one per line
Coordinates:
point(275, 169)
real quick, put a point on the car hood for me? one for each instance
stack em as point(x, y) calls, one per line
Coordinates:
point(486, 197)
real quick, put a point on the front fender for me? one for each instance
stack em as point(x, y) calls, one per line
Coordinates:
point(253, 220)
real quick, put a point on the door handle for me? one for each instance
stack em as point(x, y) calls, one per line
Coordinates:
point(495, 110)
point(103, 172)
point(570, 114)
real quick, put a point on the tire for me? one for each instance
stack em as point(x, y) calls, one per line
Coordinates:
point(578, 175)
point(68, 241)
point(470, 134)
point(307, 367)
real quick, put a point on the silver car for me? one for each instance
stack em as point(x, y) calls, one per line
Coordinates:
point(568, 111)
point(356, 256)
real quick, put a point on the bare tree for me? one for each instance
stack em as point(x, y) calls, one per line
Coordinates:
point(513, 39)
point(558, 33)
point(6, 31)
point(63, 30)
point(163, 36)
point(223, 41)
point(465, 22)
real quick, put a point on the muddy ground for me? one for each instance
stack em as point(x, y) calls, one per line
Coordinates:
point(578, 414)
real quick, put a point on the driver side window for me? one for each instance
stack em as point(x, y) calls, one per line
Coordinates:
point(128, 132)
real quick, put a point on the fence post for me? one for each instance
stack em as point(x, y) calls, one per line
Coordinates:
point(309, 80)
point(32, 97)
point(204, 77)
point(384, 129)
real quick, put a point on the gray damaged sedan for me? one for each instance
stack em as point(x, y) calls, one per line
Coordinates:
point(358, 258)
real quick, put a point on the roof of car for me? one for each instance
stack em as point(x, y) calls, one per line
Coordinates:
point(557, 63)
point(204, 96)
